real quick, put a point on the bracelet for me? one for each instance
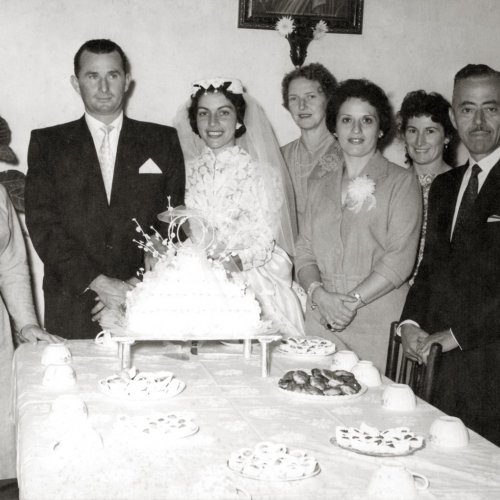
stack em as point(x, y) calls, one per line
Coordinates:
point(310, 291)
point(357, 296)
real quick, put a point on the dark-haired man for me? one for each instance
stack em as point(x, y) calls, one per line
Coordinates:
point(455, 300)
point(86, 180)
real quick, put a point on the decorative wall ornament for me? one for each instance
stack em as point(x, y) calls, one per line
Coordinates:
point(302, 21)
point(299, 34)
point(342, 16)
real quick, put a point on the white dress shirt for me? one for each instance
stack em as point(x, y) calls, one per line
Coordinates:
point(95, 127)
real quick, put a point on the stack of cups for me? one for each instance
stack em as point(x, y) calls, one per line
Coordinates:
point(59, 373)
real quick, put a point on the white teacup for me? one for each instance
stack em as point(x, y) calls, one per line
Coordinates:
point(105, 339)
point(59, 376)
point(344, 360)
point(448, 432)
point(366, 373)
point(399, 397)
point(392, 481)
point(56, 354)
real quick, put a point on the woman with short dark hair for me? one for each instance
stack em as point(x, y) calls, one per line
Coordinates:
point(430, 139)
point(359, 238)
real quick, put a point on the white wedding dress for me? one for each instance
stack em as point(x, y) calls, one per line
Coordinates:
point(228, 190)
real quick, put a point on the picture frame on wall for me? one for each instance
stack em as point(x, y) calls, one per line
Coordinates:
point(341, 16)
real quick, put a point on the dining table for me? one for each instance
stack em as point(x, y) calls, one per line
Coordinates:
point(233, 407)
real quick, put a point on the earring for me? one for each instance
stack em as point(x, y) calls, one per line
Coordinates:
point(238, 125)
point(380, 135)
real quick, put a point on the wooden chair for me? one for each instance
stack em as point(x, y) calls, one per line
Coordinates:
point(405, 369)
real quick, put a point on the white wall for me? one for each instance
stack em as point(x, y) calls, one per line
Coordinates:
point(405, 45)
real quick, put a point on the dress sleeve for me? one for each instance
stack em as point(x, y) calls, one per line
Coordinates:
point(304, 255)
point(15, 284)
point(404, 221)
point(257, 242)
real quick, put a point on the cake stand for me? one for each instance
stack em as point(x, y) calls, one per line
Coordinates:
point(126, 339)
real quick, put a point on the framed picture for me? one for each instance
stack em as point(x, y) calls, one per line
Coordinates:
point(342, 16)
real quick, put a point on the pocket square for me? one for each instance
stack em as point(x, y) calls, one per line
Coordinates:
point(149, 167)
point(493, 218)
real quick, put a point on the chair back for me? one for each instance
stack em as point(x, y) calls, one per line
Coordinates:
point(404, 369)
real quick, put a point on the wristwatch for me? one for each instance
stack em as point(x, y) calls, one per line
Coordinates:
point(357, 296)
point(310, 291)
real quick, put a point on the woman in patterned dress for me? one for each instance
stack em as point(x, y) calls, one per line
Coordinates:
point(429, 137)
point(306, 93)
point(236, 177)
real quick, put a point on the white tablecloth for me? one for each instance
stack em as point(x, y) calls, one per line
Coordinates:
point(235, 408)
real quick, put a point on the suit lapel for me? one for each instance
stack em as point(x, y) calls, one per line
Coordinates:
point(457, 175)
point(86, 161)
point(488, 196)
point(124, 167)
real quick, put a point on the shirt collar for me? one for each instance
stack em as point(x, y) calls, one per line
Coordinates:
point(95, 125)
point(486, 163)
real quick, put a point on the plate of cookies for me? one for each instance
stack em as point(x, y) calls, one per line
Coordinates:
point(306, 346)
point(268, 461)
point(141, 386)
point(367, 440)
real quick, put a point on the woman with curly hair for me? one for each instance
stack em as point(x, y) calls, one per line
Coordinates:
point(236, 178)
point(429, 136)
point(359, 237)
point(306, 93)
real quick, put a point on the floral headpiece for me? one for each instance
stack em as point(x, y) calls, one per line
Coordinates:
point(231, 84)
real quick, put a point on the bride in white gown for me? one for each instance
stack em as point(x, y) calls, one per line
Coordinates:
point(236, 177)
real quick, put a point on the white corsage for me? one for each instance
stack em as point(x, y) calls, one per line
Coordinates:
point(359, 190)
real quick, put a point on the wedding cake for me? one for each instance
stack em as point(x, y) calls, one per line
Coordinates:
point(190, 296)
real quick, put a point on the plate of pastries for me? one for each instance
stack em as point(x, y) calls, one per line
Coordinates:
point(307, 346)
point(321, 384)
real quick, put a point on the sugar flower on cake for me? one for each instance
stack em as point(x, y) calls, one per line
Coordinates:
point(361, 190)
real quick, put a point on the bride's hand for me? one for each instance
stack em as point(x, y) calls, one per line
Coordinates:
point(332, 308)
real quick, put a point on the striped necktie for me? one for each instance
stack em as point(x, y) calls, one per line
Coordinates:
point(106, 160)
point(464, 216)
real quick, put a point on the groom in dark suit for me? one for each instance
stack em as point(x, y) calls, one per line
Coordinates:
point(86, 181)
point(455, 300)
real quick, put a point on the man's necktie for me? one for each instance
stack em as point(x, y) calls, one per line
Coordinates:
point(106, 160)
point(463, 222)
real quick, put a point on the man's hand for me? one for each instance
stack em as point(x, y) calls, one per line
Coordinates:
point(111, 291)
point(33, 333)
point(99, 308)
point(332, 307)
point(412, 337)
point(445, 338)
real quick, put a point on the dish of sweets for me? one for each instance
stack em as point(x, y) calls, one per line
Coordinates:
point(395, 442)
point(307, 346)
point(273, 462)
point(134, 385)
point(157, 425)
point(322, 384)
